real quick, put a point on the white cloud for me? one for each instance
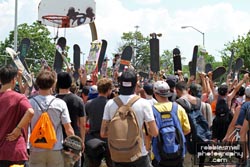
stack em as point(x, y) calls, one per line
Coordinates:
point(220, 23)
point(147, 2)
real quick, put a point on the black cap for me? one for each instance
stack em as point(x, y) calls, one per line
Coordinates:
point(127, 82)
point(148, 88)
point(171, 80)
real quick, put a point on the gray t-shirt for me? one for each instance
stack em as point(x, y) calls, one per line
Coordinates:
point(58, 113)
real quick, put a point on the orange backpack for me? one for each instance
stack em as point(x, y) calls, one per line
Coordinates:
point(124, 137)
point(43, 135)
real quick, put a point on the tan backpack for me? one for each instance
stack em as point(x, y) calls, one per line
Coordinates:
point(124, 137)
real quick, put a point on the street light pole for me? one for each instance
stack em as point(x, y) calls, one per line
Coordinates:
point(203, 34)
point(15, 27)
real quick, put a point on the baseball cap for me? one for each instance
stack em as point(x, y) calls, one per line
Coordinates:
point(171, 80)
point(127, 82)
point(93, 92)
point(93, 89)
point(247, 91)
point(148, 88)
point(162, 88)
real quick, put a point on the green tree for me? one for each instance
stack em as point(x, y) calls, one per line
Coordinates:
point(141, 45)
point(166, 62)
point(240, 47)
point(41, 45)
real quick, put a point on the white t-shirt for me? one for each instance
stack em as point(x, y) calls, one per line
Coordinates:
point(143, 111)
point(152, 101)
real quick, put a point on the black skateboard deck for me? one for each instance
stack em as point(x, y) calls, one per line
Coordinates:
point(194, 62)
point(23, 50)
point(208, 68)
point(238, 65)
point(218, 72)
point(76, 57)
point(154, 55)
point(58, 61)
point(143, 74)
point(244, 71)
point(190, 67)
point(102, 54)
point(177, 60)
point(125, 58)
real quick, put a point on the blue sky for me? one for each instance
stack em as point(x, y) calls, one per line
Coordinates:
point(221, 21)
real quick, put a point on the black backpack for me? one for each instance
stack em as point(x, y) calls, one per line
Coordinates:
point(200, 131)
point(222, 120)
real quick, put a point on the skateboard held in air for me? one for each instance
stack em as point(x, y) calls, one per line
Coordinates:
point(58, 61)
point(91, 64)
point(177, 60)
point(26, 75)
point(154, 54)
point(126, 57)
point(218, 72)
point(76, 59)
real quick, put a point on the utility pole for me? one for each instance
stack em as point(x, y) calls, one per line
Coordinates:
point(135, 48)
point(15, 26)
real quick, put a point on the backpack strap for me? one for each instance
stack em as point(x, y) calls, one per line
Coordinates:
point(172, 111)
point(133, 100)
point(118, 101)
point(38, 104)
point(174, 108)
point(41, 106)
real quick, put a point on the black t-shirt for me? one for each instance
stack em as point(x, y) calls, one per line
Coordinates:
point(94, 110)
point(76, 109)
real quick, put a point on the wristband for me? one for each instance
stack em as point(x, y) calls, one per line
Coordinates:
point(18, 128)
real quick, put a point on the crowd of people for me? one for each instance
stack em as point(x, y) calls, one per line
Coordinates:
point(88, 110)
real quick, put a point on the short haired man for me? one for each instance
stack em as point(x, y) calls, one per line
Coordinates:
point(143, 112)
point(75, 106)
point(182, 92)
point(59, 115)
point(162, 92)
point(171, 81)
point(224, 93)
point(84, 94)
point(15, 114)
point(94, 109)
point(148, 88)
point(196, 91)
